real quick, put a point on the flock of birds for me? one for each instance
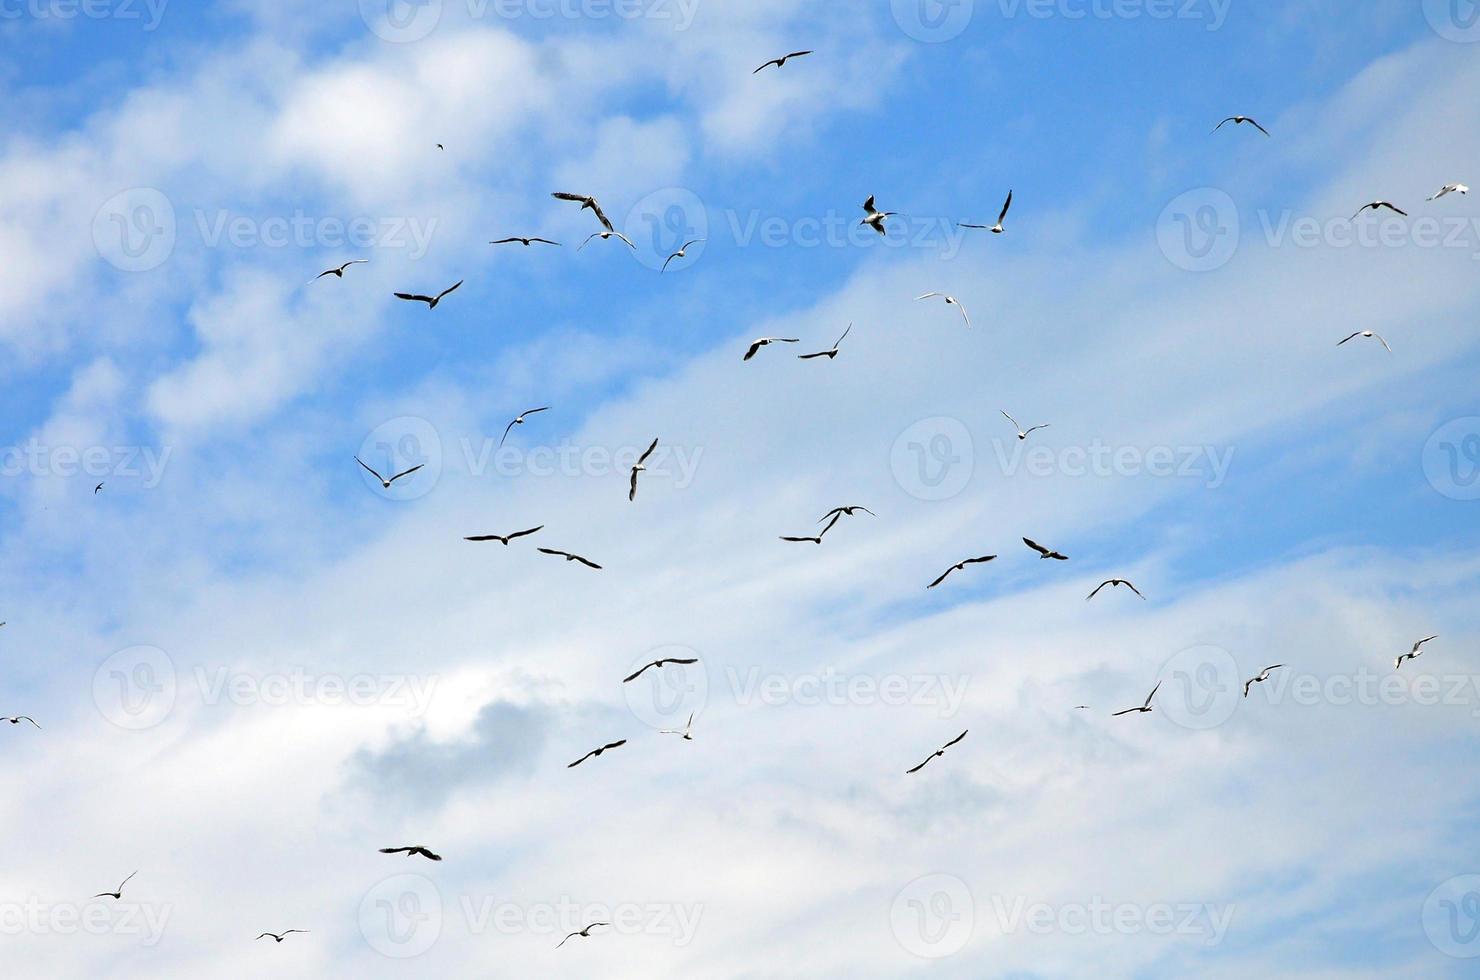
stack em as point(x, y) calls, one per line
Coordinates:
point(877, 220)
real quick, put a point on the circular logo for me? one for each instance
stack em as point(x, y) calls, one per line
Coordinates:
point(1451, 917)
point(401, 21)
point(933, 21)
point(134, 230)
point(402, 916)
point(1199, 230)
point(667, 222)
point(1454, 20)
point(135, 687)
point(666, 697)
point(1451, 459)
point(934, 916)
point(934, 459)
point(1200, 687)
point(401, 459)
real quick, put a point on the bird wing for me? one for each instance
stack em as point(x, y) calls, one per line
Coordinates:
point(1255, 124)
point(1132, 587)
point(1384, 342)
point(544, 241)
point(1340, 342)
point(943, 577)
point(1037, 427)
point(643, 458)
point(588, 241)
point(449, 289)
point(264, 936)
point(605, 221)
point(754, 347)
point(394, 850)
point(1096, 591)
point(586, 562)
point(634, 676)
point(576, 763)
point(665, 263)
point(816, 540)
point(1222, 124)
point(955, 740)
point(962, 224)
point(414, 297)
point(798, 54)
point(566, 196)
point(911, 772)
point(632, 491)
point(1127, 711)
point(1035, 546)
point(525, 534)
point(964, 315)
point(1393, 207)
point(773, 61)
point(552, 551)
point(1010, 419)
point(1152, 694)
point(927, 296)
point(507, 430)
point(1005, 206)
point(407, 472)
point(369, 470)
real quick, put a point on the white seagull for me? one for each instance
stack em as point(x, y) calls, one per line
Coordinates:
point(1144, 709)
point(605, 235)
point(1239, 121)
point(1023, 433)
point(759, 342)
point(687, 732)
point(1263, 676)
point(1369, 335)
point(682, 253)
point(1450, 189)
point(950, 301)
point(1413, 654)
point(996, 229)
point(875, 218)
point(781, 61)
point(829, 354)
point(520, 421)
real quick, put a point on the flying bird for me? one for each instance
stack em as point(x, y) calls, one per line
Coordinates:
point(414, 850)
point(1369, 335)
point(520, 421)
point(1263, 676)
point(569, 557)
point(875, 217)
point(639, 467)
point(119, 893)
point(605, 235)
point(586, 202)
point(340, 271)
point(1023, 433)
point(504, 539)
point(996, 229)
point(760, 342)
point(829, 354)
point(1239, 121)
point(97, 489)
point(781, 61)
point(659, 664)
point(431, 301)
point(526, 242)
point(1144, 709)
point(1113, 583)
point(1044, 552)
point(383, 481)
point(1413, 654)
point(1450, 189)
point(1375, 205)
point(848, 511)
point(17, 719)
point(279, 937)
point(584, 933)
point(950, 301)
point(595, 752)
point(680, 254)
point(687, 731)
point(960, 566)
point(818, 538)
point(936, 754)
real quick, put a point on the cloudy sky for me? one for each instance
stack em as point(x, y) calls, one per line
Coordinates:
point(254, 666)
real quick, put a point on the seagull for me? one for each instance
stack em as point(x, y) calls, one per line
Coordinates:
point(279, 937)
point(118, 894)
point(687, 732)
point(829, 354)
point(383, 481)
point(996, 229)
point(526, 242)
point(937, 754)
point(680, 254)
point(1369, 335)
point(875, 218)
point(504, 539)
point(818, 538)
point(640, 467)
point(584, 933)
point(1450, 189)
point(340, 271)
point(1044, 552)
point(1113, 583)
point(412, 851)
point(595, 752)
point(659, 664)
point(959, 566)
point(1239, 121)
point(605, 235)
point(1263, 676)
point(950, 301)
point(520, 421)
point(760, 342)
point(587, 201)
point(570, 557)
point(1414, 653)
point(431, 301)
point(848, 511)
point(781, 61)
point(20, 718)
point(97, 489)
point(1144, 709)
point(1023, 433)
point(1375, 205)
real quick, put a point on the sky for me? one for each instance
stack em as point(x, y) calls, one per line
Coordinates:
point(253, 665)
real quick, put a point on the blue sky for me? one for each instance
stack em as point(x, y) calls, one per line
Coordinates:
point(252, 664)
